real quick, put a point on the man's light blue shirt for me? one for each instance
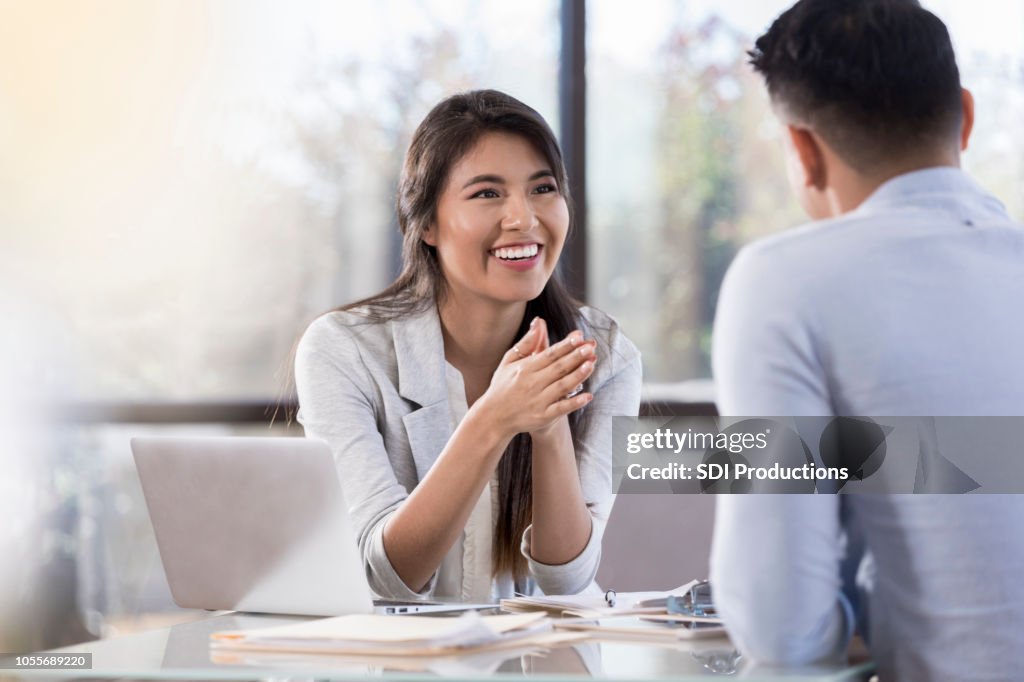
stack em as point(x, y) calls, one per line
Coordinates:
point(912, 304)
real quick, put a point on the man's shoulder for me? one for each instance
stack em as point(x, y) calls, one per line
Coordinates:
point(805, 260)
point(815, 239)
point(784, 264)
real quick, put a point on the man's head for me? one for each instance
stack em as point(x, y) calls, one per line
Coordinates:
point(871, 85)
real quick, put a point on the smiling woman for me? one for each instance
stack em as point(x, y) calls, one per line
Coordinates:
point(515, 261)
point(468, 405)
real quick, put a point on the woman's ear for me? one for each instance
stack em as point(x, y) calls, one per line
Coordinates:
point(430, 235)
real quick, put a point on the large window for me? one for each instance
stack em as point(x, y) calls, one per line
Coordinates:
point(186, 185)
point(183, 187)
point(685, 159)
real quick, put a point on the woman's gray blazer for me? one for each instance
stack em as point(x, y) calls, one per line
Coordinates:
point(377, 394)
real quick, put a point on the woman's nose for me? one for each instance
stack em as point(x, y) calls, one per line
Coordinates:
point(519, 216)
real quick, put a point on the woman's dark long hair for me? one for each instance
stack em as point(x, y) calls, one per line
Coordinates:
point(447, 133)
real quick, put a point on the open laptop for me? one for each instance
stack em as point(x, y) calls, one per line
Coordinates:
point(257, 524)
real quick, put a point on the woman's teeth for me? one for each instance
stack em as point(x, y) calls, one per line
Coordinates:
point(517, 252)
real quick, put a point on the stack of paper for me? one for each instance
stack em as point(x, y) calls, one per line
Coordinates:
point(594, 605)
point(642, 628)
point(379, 635)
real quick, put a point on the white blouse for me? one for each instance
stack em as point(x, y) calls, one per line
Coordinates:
point(465, 573)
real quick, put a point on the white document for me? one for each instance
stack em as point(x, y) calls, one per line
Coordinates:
point(389, 635)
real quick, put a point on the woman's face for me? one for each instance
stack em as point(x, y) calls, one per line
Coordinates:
point(501, 221)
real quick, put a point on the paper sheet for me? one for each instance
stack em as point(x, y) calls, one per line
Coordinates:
point(388, 635)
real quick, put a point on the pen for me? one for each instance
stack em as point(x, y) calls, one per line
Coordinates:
point(609, 598)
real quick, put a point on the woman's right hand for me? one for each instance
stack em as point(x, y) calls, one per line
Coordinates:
point(528, 390)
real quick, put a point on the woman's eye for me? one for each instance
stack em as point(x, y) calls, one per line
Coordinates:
point(485, 194)
point(545, 189)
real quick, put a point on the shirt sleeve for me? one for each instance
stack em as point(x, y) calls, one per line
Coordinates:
point(775, 560)
point(617, 393)
point(765, 358)
point(332, 385)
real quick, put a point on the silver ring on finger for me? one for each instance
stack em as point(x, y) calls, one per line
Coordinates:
point(574, 392)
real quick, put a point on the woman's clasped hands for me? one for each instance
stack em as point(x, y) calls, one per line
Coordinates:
point(537, 384)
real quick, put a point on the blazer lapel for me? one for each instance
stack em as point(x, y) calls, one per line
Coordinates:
point(429, 429)
point(419, 350)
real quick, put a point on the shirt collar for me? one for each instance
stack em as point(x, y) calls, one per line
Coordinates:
point(940, 187)
point(419, 350)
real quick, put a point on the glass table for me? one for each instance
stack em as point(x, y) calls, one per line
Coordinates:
point(183, 652)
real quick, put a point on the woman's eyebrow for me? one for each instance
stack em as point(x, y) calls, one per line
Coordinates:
point(498, 180)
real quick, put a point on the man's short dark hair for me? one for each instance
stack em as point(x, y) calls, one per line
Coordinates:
point(876, 79)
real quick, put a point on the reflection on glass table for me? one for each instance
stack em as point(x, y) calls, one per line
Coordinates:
point(183, 651)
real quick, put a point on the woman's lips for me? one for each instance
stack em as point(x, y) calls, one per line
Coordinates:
point(520, 264)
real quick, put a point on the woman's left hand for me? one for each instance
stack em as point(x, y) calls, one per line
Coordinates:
point(543, 342)
point(535, 385)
